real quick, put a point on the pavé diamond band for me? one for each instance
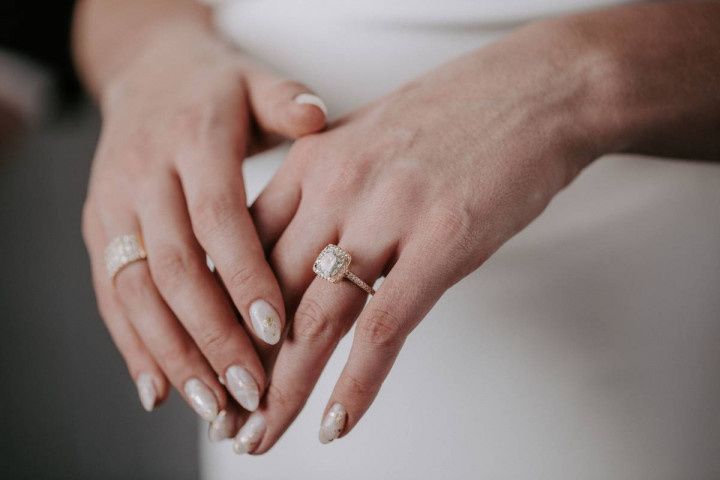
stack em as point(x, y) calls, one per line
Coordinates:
point(122, 251)
point(333, 264)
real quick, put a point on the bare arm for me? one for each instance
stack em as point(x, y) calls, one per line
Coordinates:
point(658, 68)
point(109, 34)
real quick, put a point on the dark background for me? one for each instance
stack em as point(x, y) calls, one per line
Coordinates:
point(68, 408)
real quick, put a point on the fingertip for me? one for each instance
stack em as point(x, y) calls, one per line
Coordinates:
point(311, 99)
point(306, 114)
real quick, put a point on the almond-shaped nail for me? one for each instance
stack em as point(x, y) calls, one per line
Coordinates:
point(333, 423)
point(201, 399)
point(243, 387)
point(223, 426)
point(265, 321)
point(250, 435)
point(146, 391)
point(310, 99)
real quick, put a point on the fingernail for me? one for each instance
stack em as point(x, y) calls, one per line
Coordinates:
point(222, 427)
point(249, 436)
point(310, 99)
point(266, 321)
point(201, 399)
point(146, 391)
point(242, 386)
point(333, 423)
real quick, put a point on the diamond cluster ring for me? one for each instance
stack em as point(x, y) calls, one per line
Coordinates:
point(333, 264)
point(122, 251)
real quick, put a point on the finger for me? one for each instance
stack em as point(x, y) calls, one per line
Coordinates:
point(178, 267)
point(151, 383)
point(284, 107)
point(412, 287)
point(324, 315)
point(276, 205)
point(226, 424)
point(181, 361)
point(221, 222)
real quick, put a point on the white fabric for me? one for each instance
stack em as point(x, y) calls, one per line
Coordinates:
point(587, 347)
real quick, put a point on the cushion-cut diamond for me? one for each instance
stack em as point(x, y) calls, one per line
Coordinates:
point(332, 263)
point(327, 263)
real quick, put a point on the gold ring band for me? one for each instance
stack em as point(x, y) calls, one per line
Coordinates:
point(333, 265)
point(122, 251)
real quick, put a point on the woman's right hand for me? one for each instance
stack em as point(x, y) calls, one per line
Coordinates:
point(177, 122)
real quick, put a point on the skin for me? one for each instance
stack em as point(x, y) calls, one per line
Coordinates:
point(453, 163)
point(180, 111)
point(425, 184)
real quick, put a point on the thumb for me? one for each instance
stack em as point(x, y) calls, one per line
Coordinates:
point(284, 107)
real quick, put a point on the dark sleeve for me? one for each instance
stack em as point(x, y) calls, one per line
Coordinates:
point(41, 30)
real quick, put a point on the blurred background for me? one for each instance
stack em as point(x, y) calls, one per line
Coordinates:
point(68, 409)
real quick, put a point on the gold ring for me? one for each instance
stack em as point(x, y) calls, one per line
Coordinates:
point(333, 264)
point(122, 251)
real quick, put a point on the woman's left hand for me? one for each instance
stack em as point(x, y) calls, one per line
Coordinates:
point(421, 186)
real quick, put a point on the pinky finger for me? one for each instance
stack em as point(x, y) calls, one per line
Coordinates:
point(151, 383)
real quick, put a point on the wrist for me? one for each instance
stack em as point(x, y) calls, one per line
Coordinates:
point(172, 52)
point(602, 115)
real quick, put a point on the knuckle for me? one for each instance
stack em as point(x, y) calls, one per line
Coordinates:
point(171, 265)
point(311, 322)
point(241, 280)
point(381, 328)
point(176, 357)
point(457, 226)
point(211, 211)
point(358, 388)
point(214, 339)
point(280, 399)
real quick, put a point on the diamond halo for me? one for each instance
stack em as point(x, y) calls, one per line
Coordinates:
point(332, 264)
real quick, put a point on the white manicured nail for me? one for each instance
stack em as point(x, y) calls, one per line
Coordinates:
point(146, 391)
point(310, 99)
point(210, 264)
point(201, 399)
point(266, 321)
point(333, 423)
point(222, 427)
point(250, 435)
point(243, 387)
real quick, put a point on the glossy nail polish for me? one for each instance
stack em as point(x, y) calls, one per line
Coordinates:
point(201, 399)
point(333, 423)
point(146, 391)
point(310, 99)
point(265, 321)
point(250, 435)
point(243, 387)
point(223, 426)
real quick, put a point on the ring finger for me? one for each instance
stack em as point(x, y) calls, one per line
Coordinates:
point(170, 345)
point(325, 313)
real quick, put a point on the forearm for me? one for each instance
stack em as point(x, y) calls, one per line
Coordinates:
point(109, 34)
point(657, 70)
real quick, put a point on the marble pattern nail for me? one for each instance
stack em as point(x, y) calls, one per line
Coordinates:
point(333, 423)
point(202, 399)
point(243, 387)
point(250, 435)
point(146, 391)
point(265, 321)
point(223, 427)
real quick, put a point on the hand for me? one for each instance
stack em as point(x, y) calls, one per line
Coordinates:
point(421, 186)
point(176, 125)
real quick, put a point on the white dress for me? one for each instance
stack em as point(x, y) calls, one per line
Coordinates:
point(588, 347)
